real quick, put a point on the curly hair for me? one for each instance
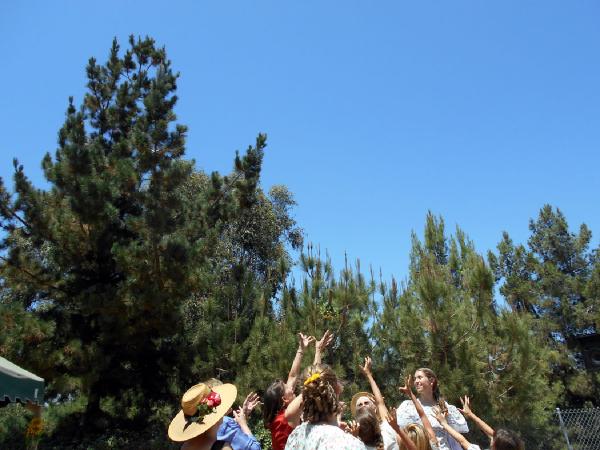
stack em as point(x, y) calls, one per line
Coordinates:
point(418, 436)
point(369, 430)
point(319, 393)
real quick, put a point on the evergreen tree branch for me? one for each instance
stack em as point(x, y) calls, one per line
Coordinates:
point(33, 276)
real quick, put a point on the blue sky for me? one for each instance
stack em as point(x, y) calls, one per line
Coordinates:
point(376, 112)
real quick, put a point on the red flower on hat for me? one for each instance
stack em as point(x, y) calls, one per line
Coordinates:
point(213, 399)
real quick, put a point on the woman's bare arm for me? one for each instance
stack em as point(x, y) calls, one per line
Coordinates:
point(321, 345)
point(379, 401)
point(441, 418)
point(392, 420)
point(469, 414)
point(303, 342)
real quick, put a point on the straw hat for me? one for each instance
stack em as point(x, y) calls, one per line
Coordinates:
point(188, 424)
point(355, 398)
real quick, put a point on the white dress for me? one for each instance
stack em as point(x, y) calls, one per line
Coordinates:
point(407, 414)
point(321, 437)
point(389, 436)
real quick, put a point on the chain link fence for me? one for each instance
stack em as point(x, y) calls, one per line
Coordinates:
point(580, 428)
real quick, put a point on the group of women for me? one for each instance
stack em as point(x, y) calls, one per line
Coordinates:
point(313, 419)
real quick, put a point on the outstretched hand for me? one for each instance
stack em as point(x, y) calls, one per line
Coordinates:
point(366, 368)
point(407, 388)
point(352, 428)
point(240, 417)
point(466, 406)
point(305, 340)
point(324, 342)
point(252, 401)
point(440, 415)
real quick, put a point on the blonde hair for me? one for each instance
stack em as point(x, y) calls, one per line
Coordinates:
point(418, 436)
point(319, 394)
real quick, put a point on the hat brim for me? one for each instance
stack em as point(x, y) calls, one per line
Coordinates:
point(355, 398)
point(180, 430)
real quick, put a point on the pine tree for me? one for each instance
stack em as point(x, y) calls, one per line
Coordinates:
point(445, 317)
point(107, 255)
point(553, 280)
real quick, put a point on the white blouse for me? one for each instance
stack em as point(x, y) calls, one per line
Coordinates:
point(389, 436)
point(407, 414)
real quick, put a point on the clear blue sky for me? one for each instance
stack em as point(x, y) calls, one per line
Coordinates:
point(376, 112)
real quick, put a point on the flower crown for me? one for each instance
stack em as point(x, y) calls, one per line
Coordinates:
point(207, 405)
point(313, 377)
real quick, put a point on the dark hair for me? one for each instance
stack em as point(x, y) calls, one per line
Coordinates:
point(273, 401)
point(319, 393)
point(436, 384)
point(507, 440)
point(369, 430)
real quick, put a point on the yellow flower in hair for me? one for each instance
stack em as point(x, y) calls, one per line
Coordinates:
point(313, 377)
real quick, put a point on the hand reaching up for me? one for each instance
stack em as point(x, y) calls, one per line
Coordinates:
point(440, 416)
point(366, 368)
point(466, 406)
point(407, 388)
point(352, 428)
point(304, 340)
point(321, 345)
point(240, 418)
point(324, 342)
point(392, 419)
point(252, 400)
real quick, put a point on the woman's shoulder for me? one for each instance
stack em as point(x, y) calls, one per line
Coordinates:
point(407, 404)
point(406, 413)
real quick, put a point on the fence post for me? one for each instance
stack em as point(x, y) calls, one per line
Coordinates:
point(564, 430)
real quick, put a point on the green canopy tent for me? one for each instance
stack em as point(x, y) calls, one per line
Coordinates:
point(17, 384)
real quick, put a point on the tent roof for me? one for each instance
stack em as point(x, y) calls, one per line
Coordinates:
point(19, 384)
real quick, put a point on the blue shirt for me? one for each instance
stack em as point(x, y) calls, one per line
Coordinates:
point(231, 432)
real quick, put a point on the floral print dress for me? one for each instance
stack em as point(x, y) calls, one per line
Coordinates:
point(310, 436)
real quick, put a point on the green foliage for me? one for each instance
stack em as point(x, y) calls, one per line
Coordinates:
point(134, 276)
point(99, 269)
point(554, 280)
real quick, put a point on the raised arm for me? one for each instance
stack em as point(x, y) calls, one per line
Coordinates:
point(321, 345)
point(391, 419)
point(441, 418)
point(246, 441)
point(379, 401)
point(293, 411)
point(469, 414)
point(303, 342)
point(406, 390)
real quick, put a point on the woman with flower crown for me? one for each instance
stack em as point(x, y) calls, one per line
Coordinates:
point(202, 411)
point(282, 409)
point(320, 408)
